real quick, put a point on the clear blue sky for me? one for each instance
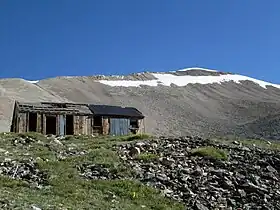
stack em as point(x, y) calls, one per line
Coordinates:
point(46, 38)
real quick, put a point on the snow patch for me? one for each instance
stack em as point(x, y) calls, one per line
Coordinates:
point(168, 79)
point(32, 81)
point(197, 68)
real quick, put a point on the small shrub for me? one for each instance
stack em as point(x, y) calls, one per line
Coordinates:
point(138, 136)
point(210, 152)
point(146, 157)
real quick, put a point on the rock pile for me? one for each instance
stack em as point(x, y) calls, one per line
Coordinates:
point(25, 170)
point(249, 179)
point(98, 171)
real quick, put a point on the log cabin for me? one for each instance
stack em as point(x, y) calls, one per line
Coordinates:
point(74, 118)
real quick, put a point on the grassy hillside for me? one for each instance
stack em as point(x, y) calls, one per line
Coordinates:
point(37, 172)
point(85, 172)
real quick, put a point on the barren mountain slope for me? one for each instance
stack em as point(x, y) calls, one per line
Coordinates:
point(200, 102)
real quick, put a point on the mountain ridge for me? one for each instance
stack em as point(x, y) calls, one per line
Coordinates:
point(193, 71)
point(174, 103)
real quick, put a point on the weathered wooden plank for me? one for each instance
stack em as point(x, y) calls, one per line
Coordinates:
point(76, 124)
point(14, 125)
point(105, 126)
point(39, 123)
point(57, 124)
point(22, 123)
point(61, 125)
point(85, 125)
point(80, 124)
point(44, 124)
point(88, 127)
point(141, 126)
point(15, 121)
point(27, 122)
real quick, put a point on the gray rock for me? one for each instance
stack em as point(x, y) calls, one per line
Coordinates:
point(2, 150)
point(134, 151)
point(35, 207)
point(271, 169)
point(56, 141)
point(200, 206)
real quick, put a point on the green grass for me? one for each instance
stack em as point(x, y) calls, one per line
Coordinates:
point(67, 189)
point(147, 157)
point(210, 152)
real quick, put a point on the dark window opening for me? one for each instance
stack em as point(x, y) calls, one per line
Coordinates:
point(51, 125)
point(134, 125)
point(69, 125)
point(32, 122)
point(97, 121)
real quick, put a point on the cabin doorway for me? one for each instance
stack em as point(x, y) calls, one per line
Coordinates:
point(69, 125)
point(32, 122)
point(51, 125)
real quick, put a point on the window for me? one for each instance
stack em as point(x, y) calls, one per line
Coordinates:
point(97, 121)
point(134, 123)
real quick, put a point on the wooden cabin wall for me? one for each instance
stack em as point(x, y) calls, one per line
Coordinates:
point(105, 125)
point(44, 127)
point(141, 126)
point(87, 125)
point(39, 123)
point(76, 125)
point(21, 120)
point(82, 125)
point(15, 120)
point(88, 128)
point(57, 124)
point(22, 126)
point(14, 123)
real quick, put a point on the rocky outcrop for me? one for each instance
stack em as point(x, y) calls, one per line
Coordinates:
point(247, 178)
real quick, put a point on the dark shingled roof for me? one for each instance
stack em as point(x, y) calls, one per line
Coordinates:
point(118, 111)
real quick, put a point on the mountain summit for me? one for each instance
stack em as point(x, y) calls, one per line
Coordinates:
point(193, 101)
